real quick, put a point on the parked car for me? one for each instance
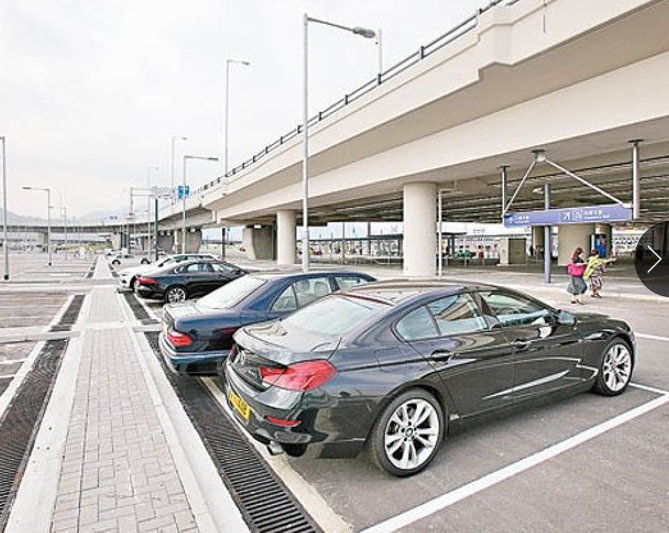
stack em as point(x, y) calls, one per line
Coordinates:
point(197, 336)
point(390, 365)
point(188, 279)
point(128, 276)
point(119, 258)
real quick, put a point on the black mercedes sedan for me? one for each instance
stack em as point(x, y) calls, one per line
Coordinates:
point(390, 365)
point(197, 336)
point(187, 279)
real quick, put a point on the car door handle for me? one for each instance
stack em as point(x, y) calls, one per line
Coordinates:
point(443, 356)
point(521, 344)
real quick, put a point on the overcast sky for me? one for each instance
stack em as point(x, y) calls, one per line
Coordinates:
point(92, 91)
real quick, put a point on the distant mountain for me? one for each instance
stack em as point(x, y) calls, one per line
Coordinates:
point(13, 218)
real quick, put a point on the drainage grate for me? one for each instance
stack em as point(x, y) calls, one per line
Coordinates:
point(21, 421)
point(138, 309)
point(70, 315)
point(265, 503)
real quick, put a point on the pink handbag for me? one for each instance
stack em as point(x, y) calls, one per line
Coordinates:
point(576, 269)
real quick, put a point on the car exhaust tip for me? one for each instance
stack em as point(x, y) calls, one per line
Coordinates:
point(274, 448)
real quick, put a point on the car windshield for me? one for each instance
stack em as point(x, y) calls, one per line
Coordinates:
point(335, 315)
point(231, 294)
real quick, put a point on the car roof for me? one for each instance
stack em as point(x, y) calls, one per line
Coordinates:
point(396, 291)
point(275, 274)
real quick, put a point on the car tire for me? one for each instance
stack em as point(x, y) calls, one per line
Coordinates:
point(116, 262)
point(615, 368)
point(407, 434)
point(144, 261)
point(176, 294)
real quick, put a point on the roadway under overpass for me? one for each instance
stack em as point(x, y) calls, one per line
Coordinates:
point(577, 78)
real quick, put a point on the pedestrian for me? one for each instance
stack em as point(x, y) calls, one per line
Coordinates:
point(576, 269)
point(594, 270)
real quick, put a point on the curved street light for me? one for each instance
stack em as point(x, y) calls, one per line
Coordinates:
point(228, 62)
point(48, 216)
point(356, 30)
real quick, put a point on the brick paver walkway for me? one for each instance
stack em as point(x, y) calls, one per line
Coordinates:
point(117, 474)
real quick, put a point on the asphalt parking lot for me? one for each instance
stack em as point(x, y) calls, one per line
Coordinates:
point(586, 463)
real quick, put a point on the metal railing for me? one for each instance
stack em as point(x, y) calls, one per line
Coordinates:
point(424, 51)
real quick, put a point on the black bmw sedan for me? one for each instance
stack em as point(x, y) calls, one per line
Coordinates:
point(196, 336)
point(188, 279)
point(390, 365)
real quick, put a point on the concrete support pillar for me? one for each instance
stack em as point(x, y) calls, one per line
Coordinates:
point(166, 242)
point(259, 243)
point(420, 229)
point(571, 236)
point(117, 241)
point(285, 237)
point(193, 241)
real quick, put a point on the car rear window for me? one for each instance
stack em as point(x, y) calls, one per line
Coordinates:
point(231, 293)
point(335, 315)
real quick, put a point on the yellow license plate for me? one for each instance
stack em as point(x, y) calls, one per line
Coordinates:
point(240, 405)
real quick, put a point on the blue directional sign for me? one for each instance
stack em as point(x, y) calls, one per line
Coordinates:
point(570, 215)
point(180, 191)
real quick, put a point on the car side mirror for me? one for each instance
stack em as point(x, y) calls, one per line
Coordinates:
point(565, 318)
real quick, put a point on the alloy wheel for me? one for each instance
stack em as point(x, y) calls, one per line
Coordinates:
point(176, 294)
point(412, 434)
point(617, 367)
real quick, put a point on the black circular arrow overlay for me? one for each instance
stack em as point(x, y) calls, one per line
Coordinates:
point(651, 259)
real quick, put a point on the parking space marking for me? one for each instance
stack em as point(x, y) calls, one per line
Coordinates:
point(651, 337)
point(446, 500)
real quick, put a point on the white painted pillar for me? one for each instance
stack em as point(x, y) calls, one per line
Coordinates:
point(570, 237)
point(420, 229)
point(285, 237)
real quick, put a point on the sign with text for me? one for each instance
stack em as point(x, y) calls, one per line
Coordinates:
point(180, 191)
point(570, 215)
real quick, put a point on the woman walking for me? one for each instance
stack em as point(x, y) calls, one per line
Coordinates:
point(576, 269)
point(594, 270)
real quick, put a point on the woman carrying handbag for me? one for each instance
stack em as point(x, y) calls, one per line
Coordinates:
point(576, 268)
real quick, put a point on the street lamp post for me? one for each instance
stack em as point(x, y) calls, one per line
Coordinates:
point(48, 216)
point(5, 241)
point(183, 197)
point(228, 62)
point(174, 139)
point(148, 211)
point(64, 213)
point(367, 34)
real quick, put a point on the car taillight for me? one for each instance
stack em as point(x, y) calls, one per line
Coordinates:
point(304, 376)
point(178, 339)
point(143, 280)
point(282, 422)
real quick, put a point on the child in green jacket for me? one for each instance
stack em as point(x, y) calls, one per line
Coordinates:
point(594, 270)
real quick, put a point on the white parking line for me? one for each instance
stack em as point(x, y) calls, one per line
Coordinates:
point(651, 337)
point(487, 481)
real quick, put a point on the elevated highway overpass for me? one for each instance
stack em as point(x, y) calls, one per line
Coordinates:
point(577, 78)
